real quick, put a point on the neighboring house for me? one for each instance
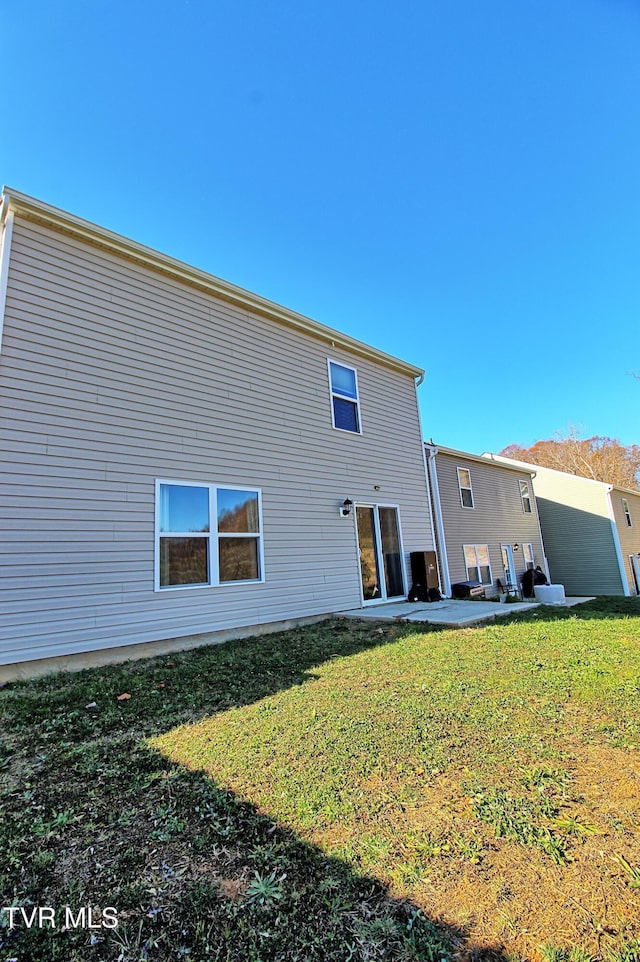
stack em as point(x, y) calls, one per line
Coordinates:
point(591, 531)
point(178, 451)
point(485, 519)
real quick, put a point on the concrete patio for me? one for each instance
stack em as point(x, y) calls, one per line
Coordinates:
point(452, 614)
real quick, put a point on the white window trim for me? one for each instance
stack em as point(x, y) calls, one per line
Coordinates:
point(525, 497)
point(213, 535)
point(344, 397)
point(471, 506)
point(627, 512)
point(529, 545)
point(477, 564)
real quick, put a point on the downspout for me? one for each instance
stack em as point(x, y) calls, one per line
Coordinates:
point(5, 249)
point(437, 507)
point(544, 553)
point(418, 382)
point(616, 543)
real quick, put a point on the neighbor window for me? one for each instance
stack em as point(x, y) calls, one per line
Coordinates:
point(345, 407)
point(527, 556)
point(207, 535)
point(526, 496)
point(627, 513)
point(476, 559)
point(466, 491)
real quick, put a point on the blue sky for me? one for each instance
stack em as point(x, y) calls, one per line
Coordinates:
point(457, 183)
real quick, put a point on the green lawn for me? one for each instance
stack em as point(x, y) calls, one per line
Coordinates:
point(350, 790)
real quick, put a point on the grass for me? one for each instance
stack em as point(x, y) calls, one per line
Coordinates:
point(347, 790)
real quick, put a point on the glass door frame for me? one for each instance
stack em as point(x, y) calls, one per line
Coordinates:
point(511, 575)
point(382, 598)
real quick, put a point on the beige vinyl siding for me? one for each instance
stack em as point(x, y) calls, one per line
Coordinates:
point(496, 518)
point(576, 527)
point(629, 536)
point(114, 375)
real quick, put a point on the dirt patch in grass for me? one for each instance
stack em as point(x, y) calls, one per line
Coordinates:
point(503, 893)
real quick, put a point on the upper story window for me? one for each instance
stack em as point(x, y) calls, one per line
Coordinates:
point(526, 496)
point(207, 535)
point(627, 513)
point(345, 405)
point(466, 491)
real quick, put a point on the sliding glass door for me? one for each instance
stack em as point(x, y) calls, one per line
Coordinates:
point(381, 571)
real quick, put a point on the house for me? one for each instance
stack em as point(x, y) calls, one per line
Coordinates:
point(184, 459)
point(591, 531)
point(486, 520)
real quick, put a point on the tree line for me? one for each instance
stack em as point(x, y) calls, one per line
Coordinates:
point(598, 458)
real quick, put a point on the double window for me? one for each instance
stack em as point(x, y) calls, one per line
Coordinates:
point(345, 405)
point(525, 495)
point(466, 491)
point(476, 559)
point(207, 535)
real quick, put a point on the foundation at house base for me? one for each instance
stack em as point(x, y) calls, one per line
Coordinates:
point(23, 670)
point(451, 614)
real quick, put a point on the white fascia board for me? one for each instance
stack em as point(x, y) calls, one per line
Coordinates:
point(6, 231)
point(37, 210)
point(484, 458)
point(498, 458)
point(632, 491)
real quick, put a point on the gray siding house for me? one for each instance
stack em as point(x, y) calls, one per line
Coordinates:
point(178, 451)
point(591, 532)
point(485, 517)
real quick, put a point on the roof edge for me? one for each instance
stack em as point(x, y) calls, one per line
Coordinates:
point(34, 209)
point(479, 458)
point(498, 458)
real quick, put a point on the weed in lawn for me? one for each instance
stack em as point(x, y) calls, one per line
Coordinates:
point(265, 889)
point(544, 779)
point(133, 944)
point(628, 953)
point(550, 953)
point(631, 871)
point(467, 847)
point(42, 859)
point(167, 827)
point(520, 819)
point(572, 825)
point(49, 828)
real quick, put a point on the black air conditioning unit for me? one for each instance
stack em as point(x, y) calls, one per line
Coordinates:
point(467, 589)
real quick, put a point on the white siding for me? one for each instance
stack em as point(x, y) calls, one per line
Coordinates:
point(113, 375)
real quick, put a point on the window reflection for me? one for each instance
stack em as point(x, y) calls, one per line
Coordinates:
point(184, 508)
point(237, 511)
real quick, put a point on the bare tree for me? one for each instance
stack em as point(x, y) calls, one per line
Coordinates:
point(599, 458)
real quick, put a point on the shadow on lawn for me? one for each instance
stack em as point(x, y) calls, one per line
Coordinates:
point(212, 878)
point(92, 816)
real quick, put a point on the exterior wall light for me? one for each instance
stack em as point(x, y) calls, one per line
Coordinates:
point(345, 508)
point(516, 547)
